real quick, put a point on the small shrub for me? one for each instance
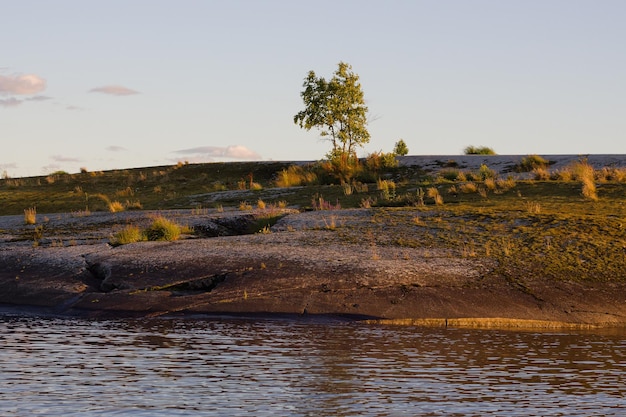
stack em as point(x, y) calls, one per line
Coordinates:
point(485, 172)
point(347, 188)
point(450, 174)
point(611, 174)
point(30, 215)
point(255, 186)
point(582, 170)
point(506, 184)
point(282, 204)
point(478, 150)
point(541, 174)
point(163, 229)
point(387, 189)
point(245, 206)
point(490, 184)
point(468, 188)
point(378, 161)
point(129, 234)
point(261, 204)
point(532, 162)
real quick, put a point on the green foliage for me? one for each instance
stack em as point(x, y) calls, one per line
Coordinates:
point(400, 148)
point(337, 108)
point(478, 150)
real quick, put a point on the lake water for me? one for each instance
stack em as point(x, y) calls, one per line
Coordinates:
point(296, 367)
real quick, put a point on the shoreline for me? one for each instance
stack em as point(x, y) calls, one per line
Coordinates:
point(301, 268)
point(374, 265)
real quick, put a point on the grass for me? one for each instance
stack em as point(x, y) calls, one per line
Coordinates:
point(570, 225)
point(163, 229)
point(30, 215)
point(129, 234)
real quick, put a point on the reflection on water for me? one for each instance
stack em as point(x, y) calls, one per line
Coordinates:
point(233, 367)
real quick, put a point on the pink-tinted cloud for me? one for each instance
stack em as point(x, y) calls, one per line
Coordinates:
point(21, 84)
point(115, 90)
point(231, 152)
point(10, 102)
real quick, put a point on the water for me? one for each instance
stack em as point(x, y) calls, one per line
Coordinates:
point(234, 367)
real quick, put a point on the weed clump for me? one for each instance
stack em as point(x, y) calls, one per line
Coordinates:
point(531, 163)
point(479, 150)
point(129, 234)
point(163, 229)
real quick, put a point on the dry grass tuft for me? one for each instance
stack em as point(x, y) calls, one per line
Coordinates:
point(115, 206)
point(533, 207)
point(468, 188)
point(30, 215)
point(245, 206)
point(294, 176)
point(433, 193)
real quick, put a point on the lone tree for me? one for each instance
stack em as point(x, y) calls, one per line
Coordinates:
point(401, 149)
point(337, 108)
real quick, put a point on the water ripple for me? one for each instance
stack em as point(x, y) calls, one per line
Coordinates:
point(210, 367)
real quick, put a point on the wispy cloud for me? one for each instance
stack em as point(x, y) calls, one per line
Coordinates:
point(115, 148)
point(26, 84)
point(10, 102)
point(38, 98)
point(115, 90)
point(231, 152)
point(62, 158)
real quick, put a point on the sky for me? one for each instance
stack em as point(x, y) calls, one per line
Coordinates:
point(102, 85)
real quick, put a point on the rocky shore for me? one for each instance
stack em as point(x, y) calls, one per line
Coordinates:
point(309, 263)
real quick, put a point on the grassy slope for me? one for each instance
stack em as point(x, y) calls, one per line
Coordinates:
point(536, 228)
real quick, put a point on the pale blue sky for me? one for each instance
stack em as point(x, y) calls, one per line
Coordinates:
point(121, 84)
